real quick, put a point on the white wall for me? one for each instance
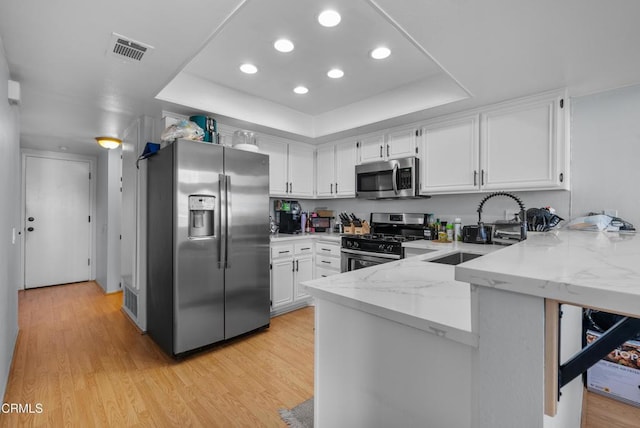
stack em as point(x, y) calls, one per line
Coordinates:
point(9, 220)
point(605, 145)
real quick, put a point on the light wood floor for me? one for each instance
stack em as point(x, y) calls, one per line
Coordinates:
point(80, 356)
point(87, 364)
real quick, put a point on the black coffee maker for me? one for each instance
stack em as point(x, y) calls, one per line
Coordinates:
point(287, 215)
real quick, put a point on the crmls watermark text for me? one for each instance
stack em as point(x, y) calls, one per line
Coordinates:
point(22, 408)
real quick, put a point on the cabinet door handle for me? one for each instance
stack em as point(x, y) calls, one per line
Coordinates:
point(293, 265)
point(283, 252)
point(297, 266)
point(324, 261)
point(482, 178)
point(475, 177)
point(305, 248)
point(325, 249)
point(380, 151)
point(332, 188)
point(387, 150)
point(336, 188)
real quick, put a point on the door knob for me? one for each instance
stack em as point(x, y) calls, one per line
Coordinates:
point(30, 229)
point(31, 219)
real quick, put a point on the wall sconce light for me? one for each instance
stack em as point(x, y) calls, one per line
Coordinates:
point(108, 142)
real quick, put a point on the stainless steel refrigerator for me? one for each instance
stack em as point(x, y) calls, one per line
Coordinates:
point(207, 244)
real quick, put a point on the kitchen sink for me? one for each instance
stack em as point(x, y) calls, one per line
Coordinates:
point(455, 258)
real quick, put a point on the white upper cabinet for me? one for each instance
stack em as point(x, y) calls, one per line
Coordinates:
point(325, 171)
point(290, 167)
point(278, 173)
point(346, 159)
point(449, 156)
point(401, 143)
point(523, 146)
point(395, 144)
point(301, 162)
point(335, 170)
point(516, 145)
point(371, 148)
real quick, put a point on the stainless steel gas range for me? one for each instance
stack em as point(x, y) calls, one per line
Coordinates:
point(384, 244)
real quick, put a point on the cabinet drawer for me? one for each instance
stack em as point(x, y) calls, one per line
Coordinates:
point(323, 272)
point(328, 262)
point(303, 247)
point(327, 249)
point(281, 251)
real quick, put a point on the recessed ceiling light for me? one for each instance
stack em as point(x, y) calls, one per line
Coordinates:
point(335, 73)
point(248, 68)
point(301, 90)
point(283, 45)
point(380, 53)
point(329, 18)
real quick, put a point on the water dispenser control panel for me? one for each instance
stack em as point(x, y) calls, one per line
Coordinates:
point(201, 216)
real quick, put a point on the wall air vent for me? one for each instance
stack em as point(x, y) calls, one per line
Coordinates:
point(128, 49)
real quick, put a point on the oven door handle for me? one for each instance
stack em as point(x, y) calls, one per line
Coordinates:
point(370, 254)
point(394, 178)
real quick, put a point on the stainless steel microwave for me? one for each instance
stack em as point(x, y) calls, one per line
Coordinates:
point(393, 179)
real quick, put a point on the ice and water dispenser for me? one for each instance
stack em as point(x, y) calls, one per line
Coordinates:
point(201, 216)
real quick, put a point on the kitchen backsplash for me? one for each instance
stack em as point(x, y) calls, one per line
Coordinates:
point(447, 207)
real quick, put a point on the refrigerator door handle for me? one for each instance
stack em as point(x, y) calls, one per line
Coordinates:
point(229, 224)
point(222, 221)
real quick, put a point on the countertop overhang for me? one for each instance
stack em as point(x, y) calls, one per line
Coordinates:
point(599, 270)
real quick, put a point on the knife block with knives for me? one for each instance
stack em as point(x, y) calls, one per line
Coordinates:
point(352, 225)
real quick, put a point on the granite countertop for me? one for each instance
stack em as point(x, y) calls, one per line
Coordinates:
point(593, 269)
point(409, 291)
point(322, 236)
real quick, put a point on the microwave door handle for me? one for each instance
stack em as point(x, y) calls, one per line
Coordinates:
point(394, 178)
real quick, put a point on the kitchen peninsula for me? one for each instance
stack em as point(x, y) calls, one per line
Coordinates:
point(412, 343)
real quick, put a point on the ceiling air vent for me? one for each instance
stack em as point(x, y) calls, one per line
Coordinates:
point(128, 49)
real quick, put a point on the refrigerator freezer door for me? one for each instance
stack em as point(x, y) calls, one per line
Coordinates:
point(247, 298)
point(199, 280)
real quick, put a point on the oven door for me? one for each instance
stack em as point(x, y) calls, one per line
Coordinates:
point(355, 259)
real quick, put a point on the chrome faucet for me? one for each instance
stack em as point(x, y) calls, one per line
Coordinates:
point(482, 233)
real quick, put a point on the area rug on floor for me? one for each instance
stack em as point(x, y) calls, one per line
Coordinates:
point(300, 416)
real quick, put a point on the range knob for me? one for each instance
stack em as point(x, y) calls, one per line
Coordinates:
point(355, 244)
point(389, 248)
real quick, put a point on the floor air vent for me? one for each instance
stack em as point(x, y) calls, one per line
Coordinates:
point(127, 49)
point(131, 301)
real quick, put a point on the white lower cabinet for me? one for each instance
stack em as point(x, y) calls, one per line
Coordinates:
point(291, 264)
point(327, 259)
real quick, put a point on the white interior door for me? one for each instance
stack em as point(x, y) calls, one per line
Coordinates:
point(57, 222)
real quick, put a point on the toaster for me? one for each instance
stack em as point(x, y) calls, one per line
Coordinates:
point(476, 234)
